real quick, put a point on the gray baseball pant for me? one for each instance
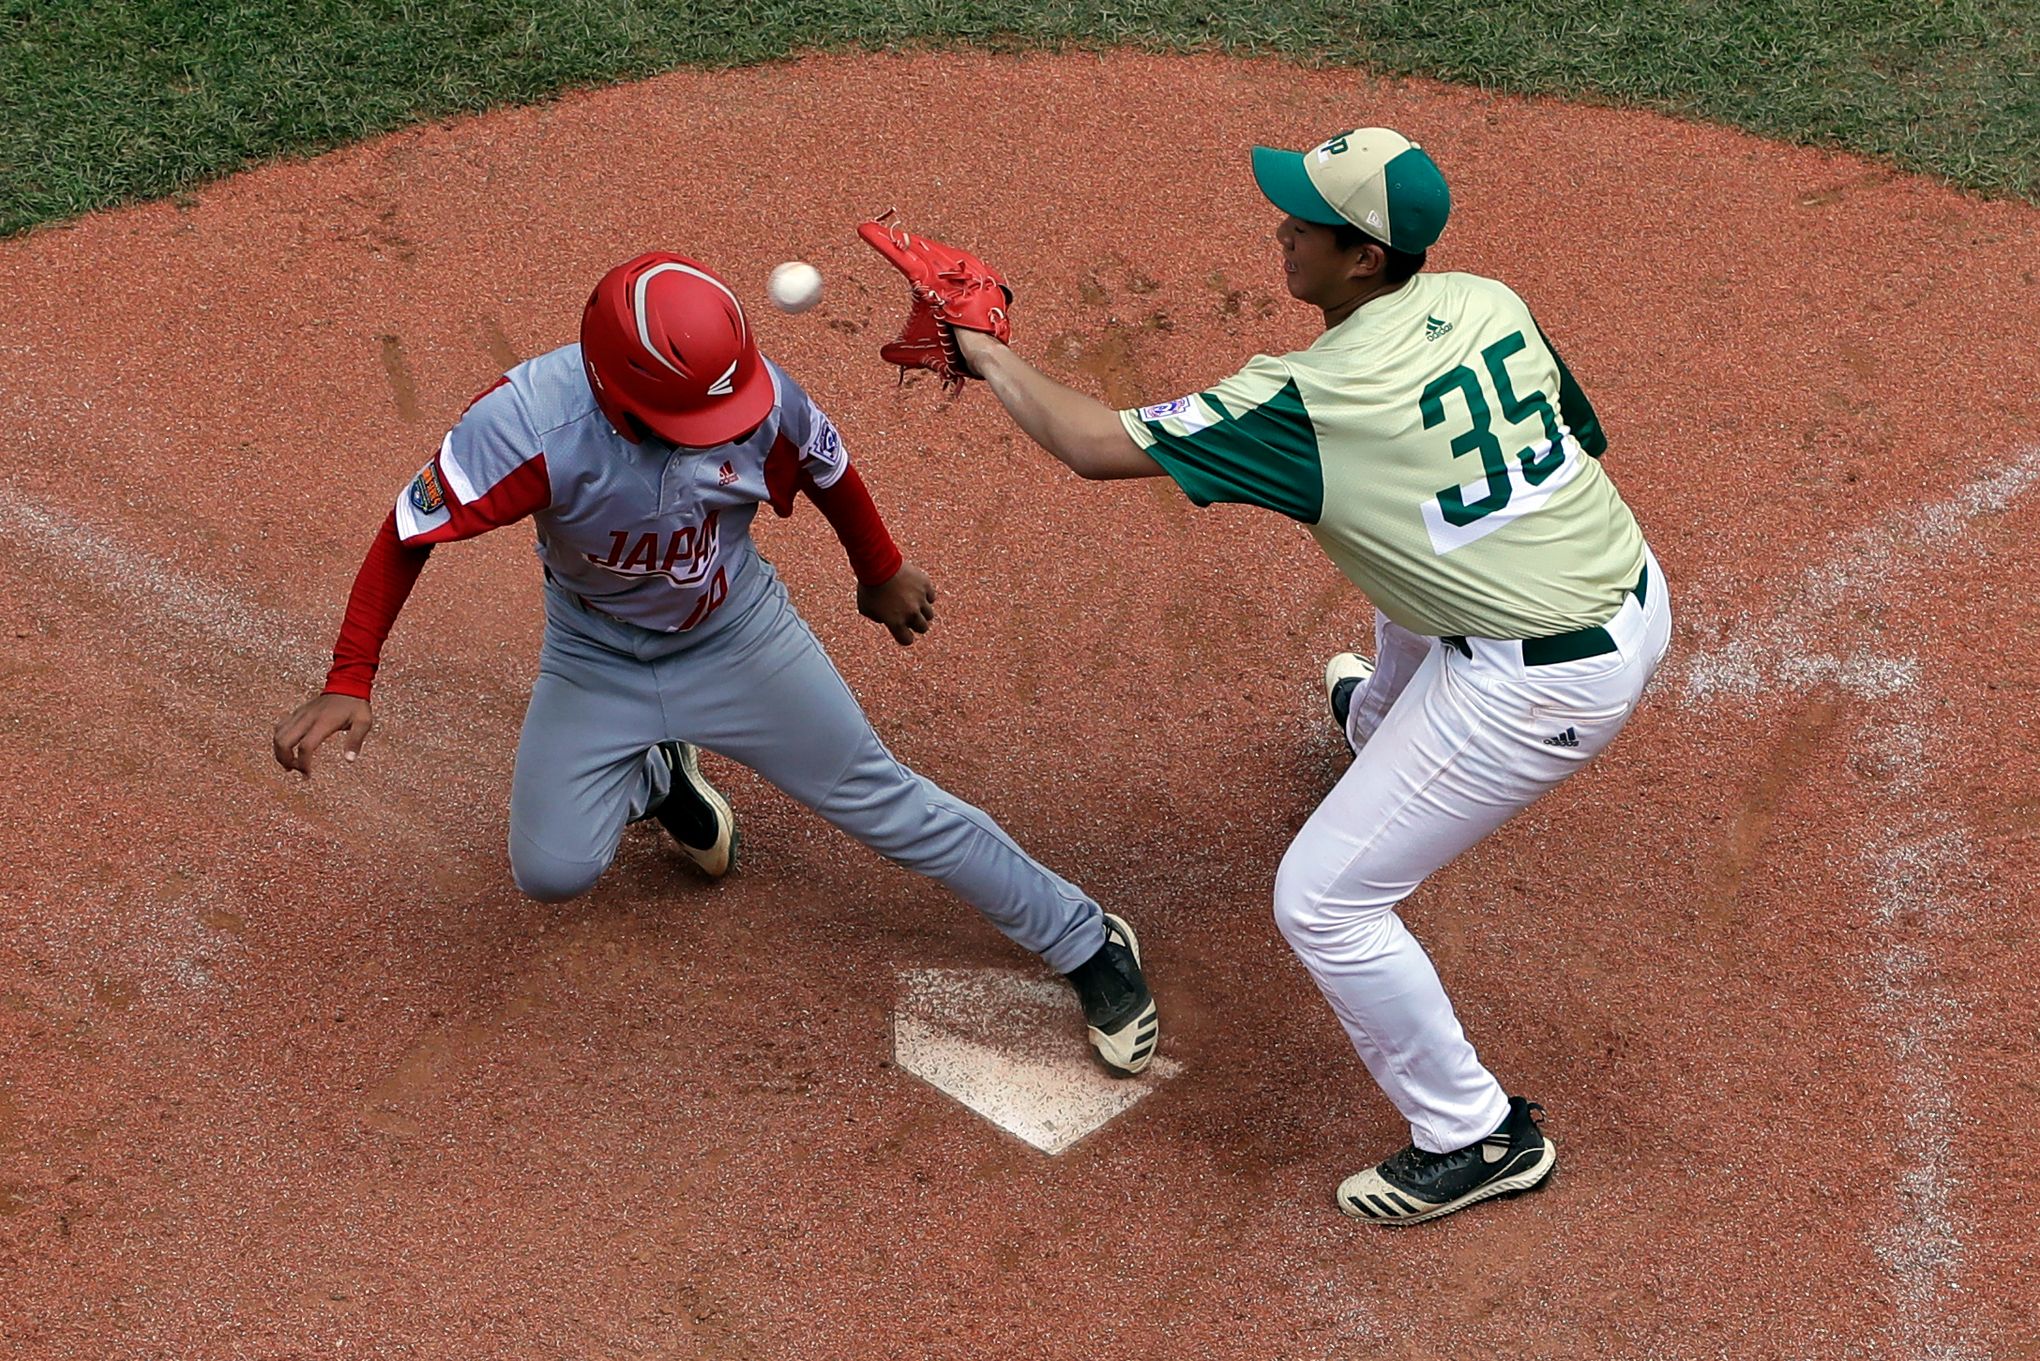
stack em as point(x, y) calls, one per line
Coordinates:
point(759, 690)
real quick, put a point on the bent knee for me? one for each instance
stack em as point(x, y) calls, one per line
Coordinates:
point(1314, 899)
point(550, 879)
point(1298, 896)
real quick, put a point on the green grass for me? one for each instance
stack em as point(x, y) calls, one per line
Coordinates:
point(103, 101)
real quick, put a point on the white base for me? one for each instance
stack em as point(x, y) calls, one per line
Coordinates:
point(1012, 1048)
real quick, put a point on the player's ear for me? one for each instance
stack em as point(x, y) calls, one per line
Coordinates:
point(1369, 260)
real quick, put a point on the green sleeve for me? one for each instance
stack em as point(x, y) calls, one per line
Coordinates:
point(1246, 441)
point(1574, 407)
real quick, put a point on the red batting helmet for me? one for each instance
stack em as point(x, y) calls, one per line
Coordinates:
point(667, 350)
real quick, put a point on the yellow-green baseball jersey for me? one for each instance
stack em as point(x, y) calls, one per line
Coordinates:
point(1439, 451)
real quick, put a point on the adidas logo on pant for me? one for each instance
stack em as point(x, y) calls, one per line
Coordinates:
point(1568, 738)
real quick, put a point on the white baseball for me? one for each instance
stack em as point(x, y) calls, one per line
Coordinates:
point(795, 286)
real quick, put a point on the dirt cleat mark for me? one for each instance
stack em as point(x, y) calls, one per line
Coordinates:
point(501, 352)
point(1806, 735)
point(114, 995)
point(218, 919)
point(407, 1097)
point(376, 231)
point(1111, 277)
point(1835, 193)
point(403, 388)
point(1110, 359)
point(1239, 302)
point(1113, 355)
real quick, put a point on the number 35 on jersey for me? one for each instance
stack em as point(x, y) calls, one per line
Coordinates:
point(1509, 485)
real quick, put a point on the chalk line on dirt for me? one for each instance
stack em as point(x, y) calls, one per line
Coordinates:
point(1759, 656)
point(176, 599)
point(1912, 862)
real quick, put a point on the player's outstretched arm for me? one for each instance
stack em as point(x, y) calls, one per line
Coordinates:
point(1081, 431)
point(380, 588)
point(905, 603)
point(305, 729)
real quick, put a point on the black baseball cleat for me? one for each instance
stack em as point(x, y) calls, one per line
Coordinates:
point(695, 812)
point(1124, 1026)
point(1344, 674)
point(1413, 1186)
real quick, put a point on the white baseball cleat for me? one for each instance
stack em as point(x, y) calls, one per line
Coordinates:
point(1124, 1026)
point(695, 812)
point(1344, 674)
point(1412, 1186)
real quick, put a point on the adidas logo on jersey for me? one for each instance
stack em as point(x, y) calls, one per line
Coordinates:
point(1435, 327)
point(726, 476)
point(1568, 738)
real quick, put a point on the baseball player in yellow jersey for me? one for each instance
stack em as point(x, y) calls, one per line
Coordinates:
point(1442, 455)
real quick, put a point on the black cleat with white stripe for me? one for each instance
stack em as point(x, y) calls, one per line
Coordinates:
point(1124, 1025)
point(1413, 1185)
point(694, 812)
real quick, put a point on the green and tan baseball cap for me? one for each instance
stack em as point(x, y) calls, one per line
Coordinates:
point(1377, 180)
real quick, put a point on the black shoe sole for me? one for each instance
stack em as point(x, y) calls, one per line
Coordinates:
point(713, 859)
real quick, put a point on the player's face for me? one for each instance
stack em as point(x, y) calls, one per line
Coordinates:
point(1316, 270)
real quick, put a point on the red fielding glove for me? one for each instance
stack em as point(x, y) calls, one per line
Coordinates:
point(950, 288)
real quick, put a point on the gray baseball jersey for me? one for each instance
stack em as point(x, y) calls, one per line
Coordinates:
point(663, 623)
point(643, 535)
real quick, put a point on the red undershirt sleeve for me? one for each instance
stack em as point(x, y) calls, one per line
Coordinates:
point(380, 589)
point(847, 505)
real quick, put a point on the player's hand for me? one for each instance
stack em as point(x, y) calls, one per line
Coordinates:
point(905, 604)
point(305, 729)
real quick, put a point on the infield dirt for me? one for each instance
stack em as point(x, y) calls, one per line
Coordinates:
point(292, 1070)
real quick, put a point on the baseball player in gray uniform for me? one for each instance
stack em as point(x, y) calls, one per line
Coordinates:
point(642, 455)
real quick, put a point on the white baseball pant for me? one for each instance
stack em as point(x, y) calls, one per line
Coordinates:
point(1451, 738)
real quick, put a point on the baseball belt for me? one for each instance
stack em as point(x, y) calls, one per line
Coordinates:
point(1572, 646)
